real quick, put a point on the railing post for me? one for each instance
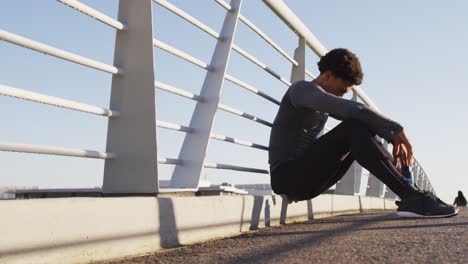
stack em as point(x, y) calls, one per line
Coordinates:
point(376, 187)
point(420, 177)
point(193, 151)
point(132, 135)
point(415, 171)
point(352, 180)
point(298, 71)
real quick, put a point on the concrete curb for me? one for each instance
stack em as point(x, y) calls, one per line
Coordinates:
point(83, 230)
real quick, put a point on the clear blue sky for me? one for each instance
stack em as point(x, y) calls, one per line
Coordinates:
point(413, 53)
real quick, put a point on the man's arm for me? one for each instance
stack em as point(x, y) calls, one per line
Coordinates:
point(312, 96)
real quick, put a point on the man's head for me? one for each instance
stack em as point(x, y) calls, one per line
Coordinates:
point(339, 69)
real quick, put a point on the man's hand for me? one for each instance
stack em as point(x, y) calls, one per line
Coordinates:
point(402, 149)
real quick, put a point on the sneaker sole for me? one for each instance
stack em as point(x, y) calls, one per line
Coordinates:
point(415, 215)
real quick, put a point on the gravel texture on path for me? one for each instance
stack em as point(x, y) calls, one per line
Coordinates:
point(374, 237)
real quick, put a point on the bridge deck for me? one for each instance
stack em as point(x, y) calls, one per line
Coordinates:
point(377, 237)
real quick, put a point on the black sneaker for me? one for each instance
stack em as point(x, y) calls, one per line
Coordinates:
point(425, 204)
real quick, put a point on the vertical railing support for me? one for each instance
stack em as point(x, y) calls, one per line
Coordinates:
point(132, 135)
point(298, 72)
point(376, 187)
point(353, 179)
point(192, 153)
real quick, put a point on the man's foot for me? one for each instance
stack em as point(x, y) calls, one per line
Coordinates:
point(425, 204)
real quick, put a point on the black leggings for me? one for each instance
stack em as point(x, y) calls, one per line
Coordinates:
point(329, 157)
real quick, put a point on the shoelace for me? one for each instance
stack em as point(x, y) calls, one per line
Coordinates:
point(430, 195)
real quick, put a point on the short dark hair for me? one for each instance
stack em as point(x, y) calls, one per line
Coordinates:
point(343, 64)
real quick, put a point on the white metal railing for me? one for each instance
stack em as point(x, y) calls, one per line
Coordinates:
point(215, 35)
point(59, 102)
point(61, 54)
point(181, 54)
point(38, 149)
point(125, 120)
point(54, 101)
point(94, 14)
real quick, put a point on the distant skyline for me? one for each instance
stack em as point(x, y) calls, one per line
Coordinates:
point(413, 55)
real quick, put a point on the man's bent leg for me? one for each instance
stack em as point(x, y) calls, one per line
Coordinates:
point(320, 165)
point(369, 153)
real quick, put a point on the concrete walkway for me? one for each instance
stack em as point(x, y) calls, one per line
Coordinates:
point(376, 237)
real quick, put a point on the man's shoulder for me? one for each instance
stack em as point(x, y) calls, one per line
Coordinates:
point(303, 86)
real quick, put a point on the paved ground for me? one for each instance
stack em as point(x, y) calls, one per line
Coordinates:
point(378, 237)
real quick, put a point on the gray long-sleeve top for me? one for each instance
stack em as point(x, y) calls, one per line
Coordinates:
point(303, 113)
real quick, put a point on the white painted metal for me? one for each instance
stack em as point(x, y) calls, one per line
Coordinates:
point(250, 88)
point(170, 161)
point(198, 98)
point(181, 54)
point(94, 14)
point(232, 167)
point(213, 33)
point(172, 126)
point(193, 150)
point(260, 33)
point(296, 25)
point(49, 50)
point(267, 39)
point(237, 141)
point(259, 64)
point(376, 187)
point(187, 17)
point(39, 149)
point(298, 71)
point(310, 74)
point(224, 4)
point(50, 100)
point(244, 115)
point(174, 90)
point(132, 136)
point(177, 127)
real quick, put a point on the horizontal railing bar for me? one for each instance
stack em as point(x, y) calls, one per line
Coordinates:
point(170, 161)
point(267, 39)
point(38, 149)
point(187, 17)
point(310, 74)
point(237, 141)
point(296, 25)
point(260, 33)
point(363, 96)
point(178, 127)
point(54, 101)
point(49, 50)
point(245, 115)
point(259, 63)
point(211, 32)
point(250, 88)
point(309, 40)
point(224, 5)
point(94, 14)
point(226, 108)
point(181, 54)
point(174, 90)
point(212, 165)
point(173, 126)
